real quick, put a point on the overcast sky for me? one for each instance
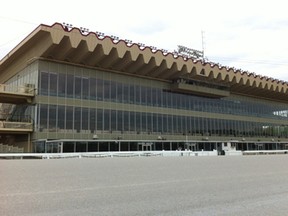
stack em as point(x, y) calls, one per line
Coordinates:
point(249, 35)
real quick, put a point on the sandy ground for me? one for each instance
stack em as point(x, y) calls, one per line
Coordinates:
point(219, 185)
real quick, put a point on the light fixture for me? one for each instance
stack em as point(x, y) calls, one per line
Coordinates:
point(100, 35)
point(84, 30)
point(114, 38)
point(141, 44)
point(67, 26)
point(128, 41)
point(175, 53)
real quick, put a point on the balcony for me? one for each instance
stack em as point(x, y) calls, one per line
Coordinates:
point(21, 94)
point(15, 127)
point(197, 89)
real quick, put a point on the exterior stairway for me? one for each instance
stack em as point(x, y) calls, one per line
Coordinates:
point(10, 149)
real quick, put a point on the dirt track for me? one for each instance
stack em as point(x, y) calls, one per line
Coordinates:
point(236, 185)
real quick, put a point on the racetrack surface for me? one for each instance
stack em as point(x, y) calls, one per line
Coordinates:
point(218, 185)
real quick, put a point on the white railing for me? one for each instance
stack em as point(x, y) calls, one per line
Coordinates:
point(135, 154)
point(108, 154)
point(265, 152)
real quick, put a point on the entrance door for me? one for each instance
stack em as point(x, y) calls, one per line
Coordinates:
point(190, 146)
point(145, 146)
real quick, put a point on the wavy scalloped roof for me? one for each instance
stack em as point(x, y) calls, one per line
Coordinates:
point(72, 45)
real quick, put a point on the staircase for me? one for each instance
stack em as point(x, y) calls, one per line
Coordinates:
point(5, 110)
point(10, 149)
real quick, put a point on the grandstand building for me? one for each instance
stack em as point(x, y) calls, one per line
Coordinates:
point(66, 89)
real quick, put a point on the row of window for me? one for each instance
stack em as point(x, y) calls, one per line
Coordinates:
point(76, 119)
point(89, 88)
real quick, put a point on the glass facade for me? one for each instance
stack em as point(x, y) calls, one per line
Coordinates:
point(79, 100)
point(90, 88)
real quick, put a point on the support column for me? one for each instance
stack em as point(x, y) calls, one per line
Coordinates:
point(29, 143)
point(61, 147)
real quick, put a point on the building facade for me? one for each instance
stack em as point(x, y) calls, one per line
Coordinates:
point(92, 93)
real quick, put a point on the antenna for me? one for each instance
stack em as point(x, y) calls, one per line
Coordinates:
point(203, 43)
point(187, 52)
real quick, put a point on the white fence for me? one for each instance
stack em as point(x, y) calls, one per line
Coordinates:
point(265, 152)
point(107, 154)
point(134, 154)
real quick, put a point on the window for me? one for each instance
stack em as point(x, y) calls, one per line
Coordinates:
point(144, 122)
point(99, 87)
point(120, 120)
point(100, 119)
point(85, 119)
point(78, 87)
point(85, 88)
point(92, 119)
point(144, 95)
point(93, 92)
point(53, 84)
point(137, 94)
point(132, 94)
point(126, 93)
point(132, 121)
point(61, 85)
point(70, 86)
point(44, 78)
point(107, 90)
point(52, 118)
point(69, 118)
point(43, 115)
point(107, 120)
point(113, 88)
point(61, 117)
point(77, 119)
point(119, 92)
